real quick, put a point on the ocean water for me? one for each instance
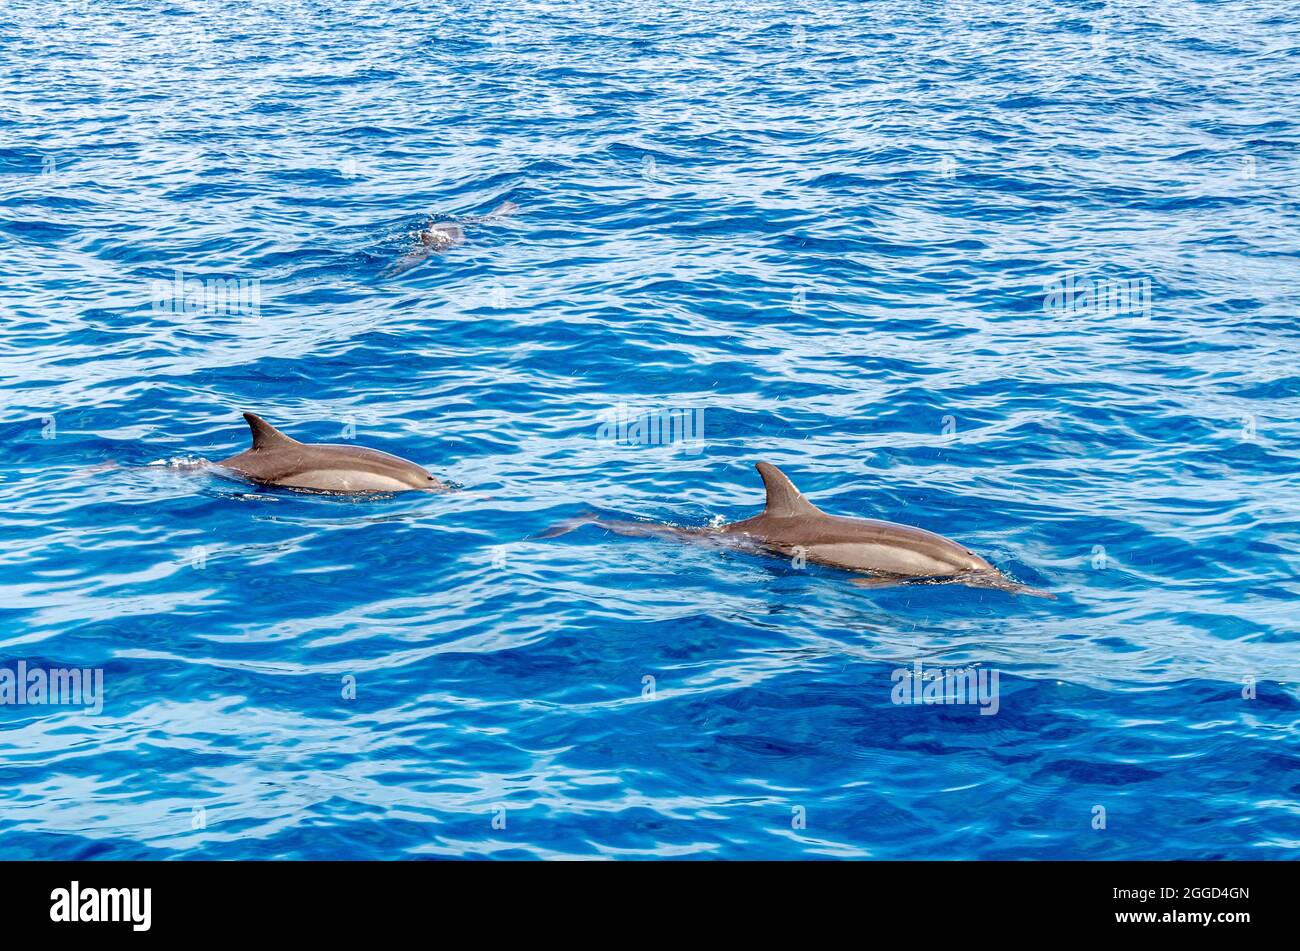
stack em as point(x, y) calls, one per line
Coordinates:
point(1024, 274)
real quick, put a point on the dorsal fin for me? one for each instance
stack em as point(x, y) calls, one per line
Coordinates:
point(783, 499)
point(265, 435)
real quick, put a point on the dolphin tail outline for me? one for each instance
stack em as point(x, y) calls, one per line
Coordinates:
point(621, 527)
point(502, 211)
point(567, 526)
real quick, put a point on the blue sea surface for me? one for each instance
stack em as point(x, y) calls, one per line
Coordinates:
point(1024, 274)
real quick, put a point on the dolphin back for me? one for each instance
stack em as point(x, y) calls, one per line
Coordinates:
point(277, 459)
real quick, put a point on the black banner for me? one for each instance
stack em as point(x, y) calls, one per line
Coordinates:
point(944, 901)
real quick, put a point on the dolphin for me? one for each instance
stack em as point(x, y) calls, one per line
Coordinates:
point(277, 459)
point(882, 553)
point(441, 236)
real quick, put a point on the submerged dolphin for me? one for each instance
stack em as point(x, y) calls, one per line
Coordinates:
point(790, 525)
point(439, 237)
point(276, 459)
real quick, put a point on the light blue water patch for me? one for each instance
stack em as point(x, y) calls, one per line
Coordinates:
point(1024, 275)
